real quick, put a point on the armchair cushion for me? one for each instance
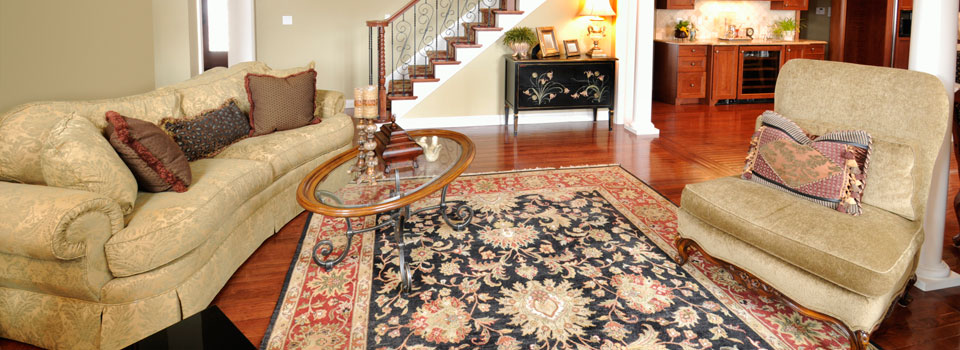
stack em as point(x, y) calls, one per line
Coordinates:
point(865, 254)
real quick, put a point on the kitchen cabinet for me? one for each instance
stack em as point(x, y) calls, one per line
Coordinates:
point(814, 51)
point(724, 69)
point(680, 76)
point(712, 71)
point(810, 51)
point(799, 5)
point(675, 4)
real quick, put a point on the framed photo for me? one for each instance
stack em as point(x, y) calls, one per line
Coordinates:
point(548, 42)
point(572, 47)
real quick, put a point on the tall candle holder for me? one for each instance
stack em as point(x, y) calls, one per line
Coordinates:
point(365, 111)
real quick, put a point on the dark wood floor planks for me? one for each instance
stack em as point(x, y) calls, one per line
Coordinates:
point(696, 143)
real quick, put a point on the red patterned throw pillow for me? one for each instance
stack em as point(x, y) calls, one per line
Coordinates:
point(156, 161)
point(278, 104)
point(829, 169)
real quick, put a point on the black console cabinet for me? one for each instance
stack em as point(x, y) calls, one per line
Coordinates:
point(559, 83)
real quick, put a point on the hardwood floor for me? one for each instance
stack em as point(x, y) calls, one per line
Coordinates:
point(696, 143)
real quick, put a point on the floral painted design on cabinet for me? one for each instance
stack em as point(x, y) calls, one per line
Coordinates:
point(544, 89)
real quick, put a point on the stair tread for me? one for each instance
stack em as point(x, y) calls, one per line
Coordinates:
point(402, 97)
point(425, 80)
point(466, 45)
point(503, 12)
point(446, 62)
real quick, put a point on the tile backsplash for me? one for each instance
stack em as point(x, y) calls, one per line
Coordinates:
point(709, 18)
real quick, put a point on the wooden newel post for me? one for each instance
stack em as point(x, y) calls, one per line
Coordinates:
point(381, 79)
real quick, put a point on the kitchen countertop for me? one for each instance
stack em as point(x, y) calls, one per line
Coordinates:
point(718, 42)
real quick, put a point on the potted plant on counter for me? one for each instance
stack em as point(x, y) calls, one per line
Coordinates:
point(786, 28)
point(520, 40)
point(682, 29)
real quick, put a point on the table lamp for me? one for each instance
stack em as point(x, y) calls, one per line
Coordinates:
point(596, 10)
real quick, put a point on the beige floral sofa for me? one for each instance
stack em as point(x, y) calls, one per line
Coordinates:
point(76, 273)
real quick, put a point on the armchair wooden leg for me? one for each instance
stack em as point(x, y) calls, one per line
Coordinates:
point(683, 248)
point(905, 298)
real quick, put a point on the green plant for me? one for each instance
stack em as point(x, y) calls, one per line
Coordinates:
point(784, 25)
point(520, 35)
point(683, 25)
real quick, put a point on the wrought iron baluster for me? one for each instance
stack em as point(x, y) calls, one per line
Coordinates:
point(414, 44)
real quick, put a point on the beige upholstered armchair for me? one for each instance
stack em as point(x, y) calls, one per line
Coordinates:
point(848, 270)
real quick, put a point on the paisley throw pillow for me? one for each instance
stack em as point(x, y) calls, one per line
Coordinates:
point(205, 135)
point(829, 169)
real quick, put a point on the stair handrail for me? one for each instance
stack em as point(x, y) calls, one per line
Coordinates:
point(430, 19)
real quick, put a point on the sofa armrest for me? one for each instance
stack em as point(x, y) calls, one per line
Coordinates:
point(329, 103)
point(50, 223)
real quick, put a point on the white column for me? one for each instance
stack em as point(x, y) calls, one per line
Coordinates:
point(242, 34)
point(933, 50)
point(635, 20)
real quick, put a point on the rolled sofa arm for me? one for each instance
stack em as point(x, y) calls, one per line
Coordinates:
point(51, 223)
point(329, 103)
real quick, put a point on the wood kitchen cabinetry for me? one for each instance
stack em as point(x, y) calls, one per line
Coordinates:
point(676, 4)
point(681, 76)
point(723, 73)
point(688, 73)
point(799, 5)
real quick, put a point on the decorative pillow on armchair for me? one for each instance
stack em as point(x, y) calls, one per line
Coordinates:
point(203, 136)
point(281, 103)
point(829, 170)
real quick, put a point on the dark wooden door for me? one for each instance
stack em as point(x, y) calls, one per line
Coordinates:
point(723, 71)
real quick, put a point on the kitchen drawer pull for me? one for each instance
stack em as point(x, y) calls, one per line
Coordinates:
point(693, 50)
point(692, 85)
point(693, 63)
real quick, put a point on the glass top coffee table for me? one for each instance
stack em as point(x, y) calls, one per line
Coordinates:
point(330, 190)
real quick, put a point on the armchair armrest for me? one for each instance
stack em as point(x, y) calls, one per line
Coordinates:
point(328, 103)
point(50, 223)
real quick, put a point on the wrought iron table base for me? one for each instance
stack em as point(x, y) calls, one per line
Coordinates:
point(398, 220)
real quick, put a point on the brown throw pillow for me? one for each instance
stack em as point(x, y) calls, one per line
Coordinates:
point(155, 160)
point(281, 103)
point(205, 135)
point(829, 170)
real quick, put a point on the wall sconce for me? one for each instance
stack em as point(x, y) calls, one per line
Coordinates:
point(596, 10)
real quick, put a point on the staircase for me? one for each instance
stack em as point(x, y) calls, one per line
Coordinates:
point(427, 41)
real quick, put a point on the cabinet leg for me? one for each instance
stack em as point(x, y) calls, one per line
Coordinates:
point(506, 115)
point(594, 115)
point(610, 120)
point(516, 116)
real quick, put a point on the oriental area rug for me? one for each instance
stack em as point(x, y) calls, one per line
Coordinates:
point(577, 258)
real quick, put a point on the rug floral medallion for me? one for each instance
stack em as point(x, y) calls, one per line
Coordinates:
point(553, 259)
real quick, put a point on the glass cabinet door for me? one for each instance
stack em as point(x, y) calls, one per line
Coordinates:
point(759, 68)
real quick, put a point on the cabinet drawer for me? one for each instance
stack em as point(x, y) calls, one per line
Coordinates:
point(692, 50)
point(691, 85)
point(692, 64)
point(814, 51)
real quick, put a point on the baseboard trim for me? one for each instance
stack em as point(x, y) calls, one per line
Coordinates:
point(539, 117)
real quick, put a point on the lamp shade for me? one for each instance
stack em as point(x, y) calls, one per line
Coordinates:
point(597, 9)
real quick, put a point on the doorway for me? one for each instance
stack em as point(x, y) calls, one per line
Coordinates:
point(214, 18)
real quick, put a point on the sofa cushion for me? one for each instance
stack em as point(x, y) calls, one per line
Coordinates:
point(286, 150)
point(155, 160)
point(77, 156)
point(167, 225)
point(212, 88)
point(24, 128)
point(865, 254)
point(891, 184)
point(203, 136)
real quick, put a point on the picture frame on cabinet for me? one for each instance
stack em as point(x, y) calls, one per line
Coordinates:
point(548, 42)
point(572, 47)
